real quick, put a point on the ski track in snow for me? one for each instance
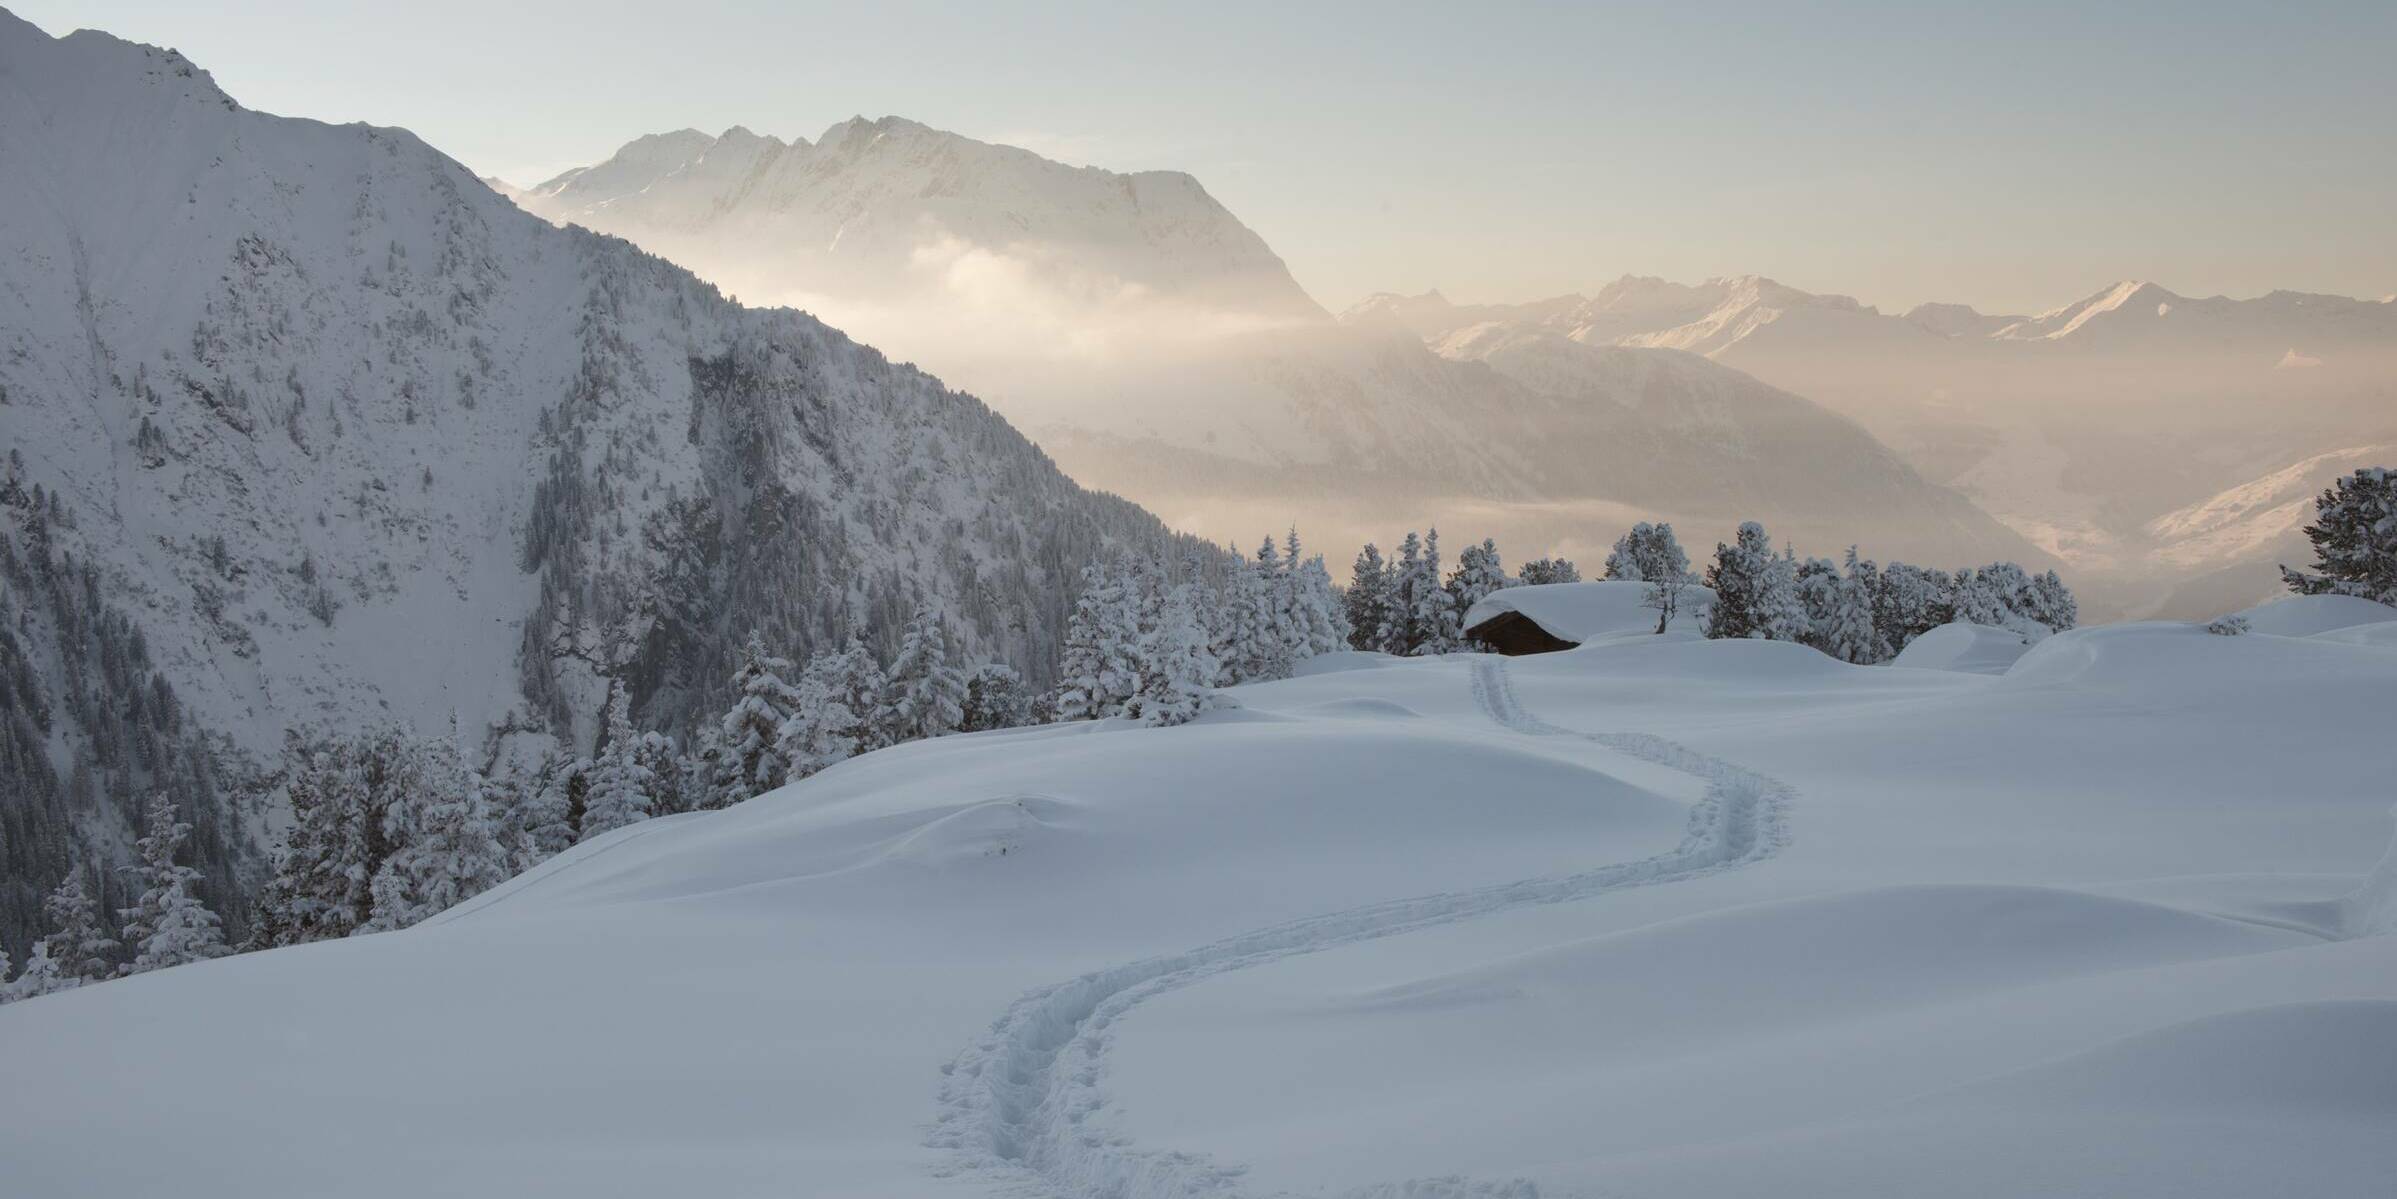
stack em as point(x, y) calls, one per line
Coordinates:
point(1017, 1109)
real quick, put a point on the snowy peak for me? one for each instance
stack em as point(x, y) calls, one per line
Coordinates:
point(896, 209)
point(2131, 296)
point(1635, 310)
point(1957, 320)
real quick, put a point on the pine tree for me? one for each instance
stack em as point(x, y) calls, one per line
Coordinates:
point(1324, 621)
point(1756, 590)
point(1245, 641)
point(1976, 598)
point(1780, 614)
point(1738, 579)
point(1910, 602)
point(859, 679)
point(42, 975)
point(1859, 636)
point(448, 844)
point(554, 803)
point(1176, 667)
point(2053, 604)
point(169, 925)
point(620, 784)
point(676, 785)
point(924, 692)
point(2355, 539)
point(1368, 599)
point(746, 736)
point(825, 731)
point(79, 942)
point(1435, 615)
point(1818, 593)
point(1098, 668)
point(1278, 630)
point(1478, 574)
point(994, 699)
point(1550, 570)
point(1399, 632)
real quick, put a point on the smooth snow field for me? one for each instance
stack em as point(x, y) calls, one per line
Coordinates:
point(1655, 917)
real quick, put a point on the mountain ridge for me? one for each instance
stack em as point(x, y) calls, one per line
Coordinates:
point(557, 462)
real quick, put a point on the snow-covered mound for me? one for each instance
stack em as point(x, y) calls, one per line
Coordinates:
point(1965, 646)
point(1680, 916)
point(2372, 910)
point(1584, 612)
point(2307, 615)
point(2378, 633)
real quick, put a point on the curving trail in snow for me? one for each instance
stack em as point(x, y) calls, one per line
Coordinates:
point(1017, 1108)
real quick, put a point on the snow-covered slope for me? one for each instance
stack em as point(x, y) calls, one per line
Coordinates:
point(349, 438)
point(1659, 916)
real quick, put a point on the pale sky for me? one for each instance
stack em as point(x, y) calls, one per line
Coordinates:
point(2014, 157)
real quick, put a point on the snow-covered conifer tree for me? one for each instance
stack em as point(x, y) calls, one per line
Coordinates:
point(1910, 602)
point(620, 784)
point(1858, 636)
point(1399, 633)
point(1323, 621)
point(861, 680)
point(674, 784)
point(1975, 597)
point(1756, 590)
point(170, 925)
point(745, 738)
point(1176, 667)
point(1436, 612)
point(1780, 614)
point(78, 942)
point(42, 975)
point(923, 692)
point(553, 805)
point(2355, 539)
point(1478, 574)
point(1738, 579)
point(448, 841)
point(1098, 667)
point(1368, 599)
point(994, 699)
point(2051, 603)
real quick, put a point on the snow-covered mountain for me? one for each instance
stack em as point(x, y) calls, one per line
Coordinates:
point(332, 434)
point(1158, 348)
point(2081, 428)
point(882, 208)
point(1757, 313)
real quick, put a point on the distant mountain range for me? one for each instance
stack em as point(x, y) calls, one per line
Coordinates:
point(2086, 428)
point(1159, 348)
